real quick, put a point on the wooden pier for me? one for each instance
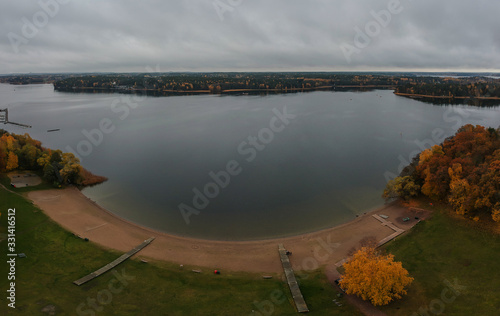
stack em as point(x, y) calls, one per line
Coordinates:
point(113, 264)
point(4, 118)
point(397, 231)
point(300, 303)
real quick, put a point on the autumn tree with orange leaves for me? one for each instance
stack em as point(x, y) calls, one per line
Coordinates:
point(375, 277)
point(24, 153)
point(12, 161)
point(464, 171)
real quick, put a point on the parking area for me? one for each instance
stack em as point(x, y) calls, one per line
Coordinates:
point(24, 179)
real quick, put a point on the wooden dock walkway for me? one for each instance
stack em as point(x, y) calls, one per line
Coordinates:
point(397, 231)
point(113, 264)
point(300, 303)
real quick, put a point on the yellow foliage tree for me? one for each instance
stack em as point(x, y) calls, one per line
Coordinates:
point(459, 192)
point(429, 187)
point(459, 189)
point(71, 167)
point(374, 277)
point(495, 213)
point(44, 159)
point(428, 153)
point(12, 161)
point(9, 141)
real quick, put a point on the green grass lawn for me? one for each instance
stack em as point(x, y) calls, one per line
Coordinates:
point(449, 248)
point(444, 248)
point(55, 258)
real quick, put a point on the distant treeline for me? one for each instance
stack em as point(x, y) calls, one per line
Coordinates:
point(32, 79)
point(405, 84)
point(223, 82)
point(454, 89)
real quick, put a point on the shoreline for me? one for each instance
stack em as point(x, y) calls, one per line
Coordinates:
point(76, 213)
point(428, 96)
point(227, 91)
point(160, 232)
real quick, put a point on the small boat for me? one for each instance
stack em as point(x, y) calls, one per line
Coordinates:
point(53, 130)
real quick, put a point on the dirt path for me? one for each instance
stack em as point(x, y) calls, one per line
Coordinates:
point(75, 212)
point(366, 308)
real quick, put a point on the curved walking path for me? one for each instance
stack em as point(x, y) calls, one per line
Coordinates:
point(75, 212)
point(365, 307)
point(332, 274)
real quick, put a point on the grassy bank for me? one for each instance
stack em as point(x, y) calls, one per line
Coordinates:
point(55, 258)
point(449, 248)
point(443, 248)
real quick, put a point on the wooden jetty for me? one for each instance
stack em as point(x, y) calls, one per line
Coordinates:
point(300, 303)
point(4, 118)
point(397, 231)
point(113, 264)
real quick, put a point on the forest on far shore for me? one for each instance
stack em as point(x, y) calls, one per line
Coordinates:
point(447, 86)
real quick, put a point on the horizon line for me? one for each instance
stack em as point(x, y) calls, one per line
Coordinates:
point(259, 71)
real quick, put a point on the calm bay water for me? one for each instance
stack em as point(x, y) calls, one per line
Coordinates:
point(326, 166)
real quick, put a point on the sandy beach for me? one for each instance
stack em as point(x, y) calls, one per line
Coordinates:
point(78, 214)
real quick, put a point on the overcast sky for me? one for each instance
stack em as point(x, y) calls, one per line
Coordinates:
point(249, 35)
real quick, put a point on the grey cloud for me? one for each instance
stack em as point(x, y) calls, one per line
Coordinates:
point(112, 35)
